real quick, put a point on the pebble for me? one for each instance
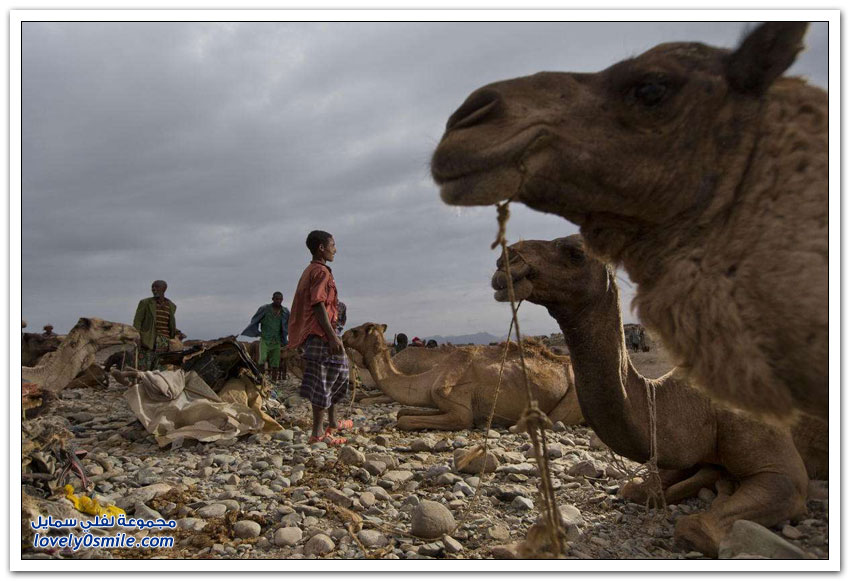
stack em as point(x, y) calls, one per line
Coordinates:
point(522, 503)
point(212, 510)
point(287, 536)
point(474, 466)
point(431, 520)
point(372, 539)
point(752, 538)
point(246, 529)
point(351, 456)
point(320, 544)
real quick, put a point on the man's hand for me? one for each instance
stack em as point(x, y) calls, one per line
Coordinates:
point(335, 346)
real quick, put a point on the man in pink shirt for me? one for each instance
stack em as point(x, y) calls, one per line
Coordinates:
point(312, 324)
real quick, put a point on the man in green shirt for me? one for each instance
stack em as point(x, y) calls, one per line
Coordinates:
point(155, 322)
point(270, 324)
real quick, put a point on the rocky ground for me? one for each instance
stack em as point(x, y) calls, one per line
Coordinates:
point(275, 496)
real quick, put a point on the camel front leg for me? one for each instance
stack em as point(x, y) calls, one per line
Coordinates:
point(410, 411)
point(440, 421)
point(765, 498)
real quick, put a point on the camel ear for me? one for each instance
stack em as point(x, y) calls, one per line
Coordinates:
point(84, 323)
point(764, 55)
point(383, 328)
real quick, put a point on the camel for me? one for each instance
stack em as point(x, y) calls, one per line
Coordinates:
point(461, 386)
point(35, 345)
point(714, 440)
point(703, 173)
point(77, 352)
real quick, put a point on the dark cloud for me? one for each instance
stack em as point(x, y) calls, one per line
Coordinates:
point(203, 153)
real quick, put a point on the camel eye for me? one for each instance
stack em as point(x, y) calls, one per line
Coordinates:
point(650, 94)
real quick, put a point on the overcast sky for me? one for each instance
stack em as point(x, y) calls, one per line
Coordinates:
point(203, 154)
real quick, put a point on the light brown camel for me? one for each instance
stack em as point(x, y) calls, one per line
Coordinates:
point(698, 440)
point(704, 174)
point(35, 345)
point(462, 386)
point(77, 352)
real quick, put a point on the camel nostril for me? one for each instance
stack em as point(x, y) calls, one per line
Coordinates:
point(475, 109)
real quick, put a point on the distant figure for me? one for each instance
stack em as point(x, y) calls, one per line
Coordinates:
point(48, 331)
point(431, 344)
point(270, 323)
point(156, 325)
point(417, 342)
point(400, 342)
point(313, 324)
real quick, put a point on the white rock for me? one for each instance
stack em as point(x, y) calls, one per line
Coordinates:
point(319, 545)
point(431, 520)
point(372, 539)
point(246, 529)
point(287, 536)
point(748, 537)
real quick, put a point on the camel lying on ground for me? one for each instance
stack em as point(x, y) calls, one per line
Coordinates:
point(699, 441)
point(462, 385)
point(704, 174)
point(35, 345)
point(77, 352)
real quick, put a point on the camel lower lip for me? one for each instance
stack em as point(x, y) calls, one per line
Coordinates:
point(478, 189)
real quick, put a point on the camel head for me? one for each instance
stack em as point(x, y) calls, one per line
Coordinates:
point(556, 273)
point(631, 147)
point(104, 333)
point(367, 339)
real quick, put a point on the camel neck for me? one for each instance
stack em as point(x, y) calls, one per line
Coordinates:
point(611, 393)
point(412, 390)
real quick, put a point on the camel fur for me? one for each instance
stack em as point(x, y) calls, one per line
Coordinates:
point(704, 173)
point(77, 352)
point(714, 441)
point(461, 387)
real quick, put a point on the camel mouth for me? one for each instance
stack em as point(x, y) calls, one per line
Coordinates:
point(485, 176)
point(522, 291)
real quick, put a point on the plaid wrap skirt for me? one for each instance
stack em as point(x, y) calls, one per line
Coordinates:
point(325, 380)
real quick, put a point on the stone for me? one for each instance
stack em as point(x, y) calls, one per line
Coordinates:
point(431, 549)
point(522, 503)
point(372, 539)
point(521, 468)
point(320, 544)
point(287, 536)
point(596, 442)
point(351, 456)
point(338, 497)
point(583, 468)
point(559, 426)
point(398, 476)
point(452, 545)
point(431, 520)
point(752, 538)
point(791, 532)
point(375, 467)
point(246, 529)
point(498, 533)
point(145, 512)
point(490, 463)
point(421, 445)
point(144, 495)
point(212, 510)
point(367, 499)
point(192, 524)
point(706, 495)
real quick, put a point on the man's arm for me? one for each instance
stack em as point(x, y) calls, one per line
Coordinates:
point(284, 324)
point(140, 315)
point(334, 342)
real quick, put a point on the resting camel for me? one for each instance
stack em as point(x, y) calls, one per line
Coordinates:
point(698, 440)
point(462, 385)
point(77, 352)
point(704, 173)
point(35, 345)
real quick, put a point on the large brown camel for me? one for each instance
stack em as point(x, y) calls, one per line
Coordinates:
point(77, 352)
point(698, 440)
point(704, 173)
point(461, 387)
point(35, 345)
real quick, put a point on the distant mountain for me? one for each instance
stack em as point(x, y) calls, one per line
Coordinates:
point(476, 338)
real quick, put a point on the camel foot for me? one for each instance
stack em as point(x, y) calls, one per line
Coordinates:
point(697, 532)
point(442, 421)
point(417, 412)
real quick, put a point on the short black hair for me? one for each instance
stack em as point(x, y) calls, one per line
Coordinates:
point(315, 238)
point(275, 293)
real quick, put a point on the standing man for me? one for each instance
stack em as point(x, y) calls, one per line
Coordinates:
point(269, 323)
point(315, 317)
point(155, 322)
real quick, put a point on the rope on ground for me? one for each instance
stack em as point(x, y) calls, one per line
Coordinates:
point(654, 478)
point(533, 420)
point(480, 450)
